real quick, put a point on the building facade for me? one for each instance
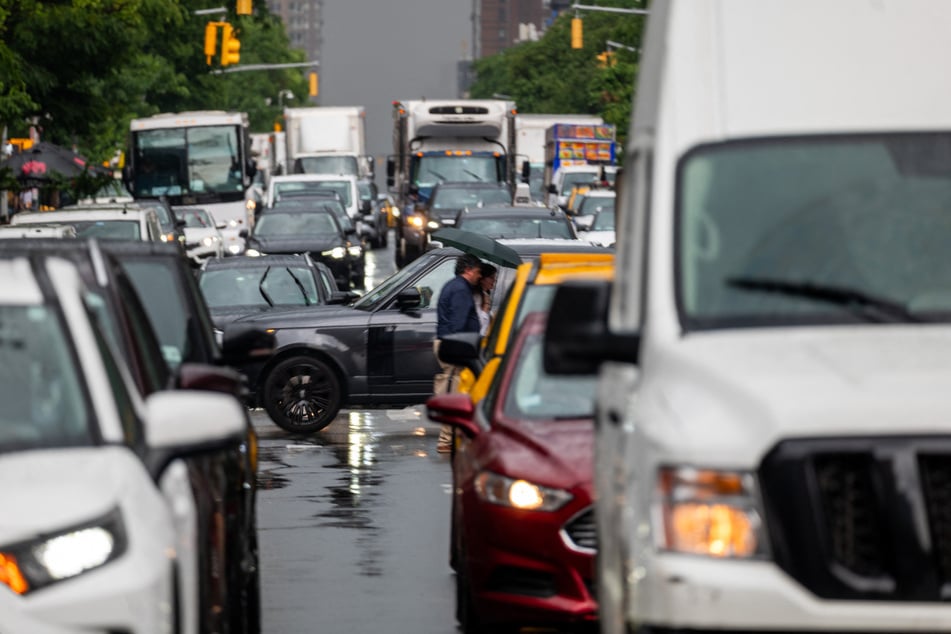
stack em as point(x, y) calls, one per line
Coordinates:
point(303, 21)
point(499, 24)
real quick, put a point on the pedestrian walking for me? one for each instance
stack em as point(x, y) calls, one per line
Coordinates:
point(455, 312)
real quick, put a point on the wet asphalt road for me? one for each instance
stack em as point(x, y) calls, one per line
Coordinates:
point(353, 526)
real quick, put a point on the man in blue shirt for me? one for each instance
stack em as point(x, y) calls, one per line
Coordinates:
point(455, 312)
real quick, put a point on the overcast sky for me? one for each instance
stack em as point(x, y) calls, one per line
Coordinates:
point(376, 52)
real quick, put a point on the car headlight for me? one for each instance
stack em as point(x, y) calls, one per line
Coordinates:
point(337, 253)
point(396, 212)
point(355, 250)
point(252, 252)
point(209, 241)
point(43, 561)
point(234, 249)
point(167, 237)
point(519, 494)
point(415, 221)
point(249, 204)
point(432, 224)
point(233, 223)
point(709, 512)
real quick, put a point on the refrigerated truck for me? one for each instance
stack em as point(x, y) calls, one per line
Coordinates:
point(327, 140)
point(530, 131)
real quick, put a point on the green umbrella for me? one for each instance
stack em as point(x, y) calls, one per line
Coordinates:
point(479, 245)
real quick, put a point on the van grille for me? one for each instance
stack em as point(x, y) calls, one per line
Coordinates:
point(862, 518)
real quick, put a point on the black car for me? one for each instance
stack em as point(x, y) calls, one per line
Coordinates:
point(515, 223)
point(329, 200)
point(312, 231)
point(378, 351)
point(374, 216)
point(449, 199)
point(244, 285)
point(223, 481)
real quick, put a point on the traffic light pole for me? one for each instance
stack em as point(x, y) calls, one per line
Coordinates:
point(588, 7)
point(238, 69)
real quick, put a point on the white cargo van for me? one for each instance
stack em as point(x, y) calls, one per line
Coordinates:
point(774, 429)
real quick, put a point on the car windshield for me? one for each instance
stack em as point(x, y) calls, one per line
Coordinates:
point(458, 198)
point(517, 227)
point(162, 211)
point(577, 178)
point(535, 395)
point(109, 229)
point(259, 286)
point(863, 234)
point(373, 299)
point(300, 224)
point(196, 218)
point(44, 404)
point(604, 221)
point(594, 204)
point(298, 188)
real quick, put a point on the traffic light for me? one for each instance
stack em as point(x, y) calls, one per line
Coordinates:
point(243, 7)
point(606, 59)
point(314, 84)
point(211, 40)
point(230, 46)
point(577, 40)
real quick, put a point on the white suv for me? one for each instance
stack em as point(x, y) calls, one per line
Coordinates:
point(127, 223)
point(99, 519)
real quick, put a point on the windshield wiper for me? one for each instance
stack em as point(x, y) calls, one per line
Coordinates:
point(856, 301)
point(300, 286)
point(270, 302)
point(474, 175)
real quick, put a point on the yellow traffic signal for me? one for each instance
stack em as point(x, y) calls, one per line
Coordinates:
point(606, 59)
point(211, 40)
point(243, 7)
point(314, 84)
point(577, 40)
point(230, 46)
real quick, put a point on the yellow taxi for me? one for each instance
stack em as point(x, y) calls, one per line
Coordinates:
point(532, 290)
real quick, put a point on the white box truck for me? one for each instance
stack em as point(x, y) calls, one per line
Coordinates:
point(530, 146)
point(327, 140)
point(773, 438)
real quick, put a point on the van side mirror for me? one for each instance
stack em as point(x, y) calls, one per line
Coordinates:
point(526, 171)
point(390, 172)
point(577, 338)
point(552, 189)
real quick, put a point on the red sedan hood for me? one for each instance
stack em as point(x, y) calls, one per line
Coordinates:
point(553, 453)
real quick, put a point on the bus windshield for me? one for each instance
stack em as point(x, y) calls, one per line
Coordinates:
point(182, 161)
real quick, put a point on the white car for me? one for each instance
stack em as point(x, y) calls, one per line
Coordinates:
point(126, 223)
point(202, 234)
point(37, 231)
point(595, 219)
point(99, 521)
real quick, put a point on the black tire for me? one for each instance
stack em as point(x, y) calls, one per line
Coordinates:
point(302, 395)
point(466, 614)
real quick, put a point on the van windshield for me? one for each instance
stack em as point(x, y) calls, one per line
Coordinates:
point(815, 230)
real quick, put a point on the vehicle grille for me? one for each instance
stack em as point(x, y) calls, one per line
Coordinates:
point(862, 518)
point(458, 110)
point(580, 531)
point(512, 580)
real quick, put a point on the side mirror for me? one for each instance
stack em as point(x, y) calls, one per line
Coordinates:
point(342, 297)
point(462, 349)
point(552, 189)
point(526, 171)
point(179, 223)
point(243, 233)
point(371, 164)
point(409, 299)
point(456, 410)
point(366, 207)
point(577, 338)
point(390, 172)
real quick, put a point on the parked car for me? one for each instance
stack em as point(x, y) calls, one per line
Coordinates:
point(222, 482)
point(522, 537)
point(98, 509)
point(125, 222)
point(379, 350)
point(517, 222)
point(312, 231)
point(202, 234)
point(235, 287)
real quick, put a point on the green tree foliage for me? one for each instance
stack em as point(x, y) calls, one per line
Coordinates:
point(84, 68)
point(548, 76)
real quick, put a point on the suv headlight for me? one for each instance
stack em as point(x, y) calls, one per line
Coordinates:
point(337, 253)
point(519, 494)
point(415, 221)
point(40, 562)
point(209, 241)
point(355, 250)
point(709, 512)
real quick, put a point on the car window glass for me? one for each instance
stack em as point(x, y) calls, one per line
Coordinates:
point(131, 431)
point(167, 309)
point(40, 386)
point(110, 229)
point(374, 299)
point(535, 395)
point(604, 221)
point(430, 285)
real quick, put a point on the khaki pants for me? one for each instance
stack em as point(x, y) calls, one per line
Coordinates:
point(445, 381)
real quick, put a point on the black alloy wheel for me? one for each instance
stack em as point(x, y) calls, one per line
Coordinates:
point(302, 395)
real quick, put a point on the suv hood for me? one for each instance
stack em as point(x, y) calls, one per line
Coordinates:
point(49, 489)
point(294, 244)
point(727, 397)
point(309, 317)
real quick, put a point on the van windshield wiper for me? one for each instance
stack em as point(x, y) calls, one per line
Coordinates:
point(856, 301)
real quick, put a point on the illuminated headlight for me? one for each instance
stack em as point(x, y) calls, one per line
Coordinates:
point(707, 512)
point(432, 224)
point(234, 249)
point(249, 204)
point(253, 252)
point(416, 221)
point(233, 223)
point(167, 237)
point(337, 253)
point(210, 241)
point(396, 212)
point(355, 251)
point(519, 494)
point(27, 566)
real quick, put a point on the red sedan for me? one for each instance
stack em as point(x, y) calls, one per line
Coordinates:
point(523, 539)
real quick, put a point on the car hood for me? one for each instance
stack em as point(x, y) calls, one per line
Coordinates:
point(228, 314)
point(294, 244)
point(728, 397)
point(321, 316)
point(553, 453)
point(51, 489)
point(198, 234)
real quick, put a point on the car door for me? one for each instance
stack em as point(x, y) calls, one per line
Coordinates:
point(400, 356)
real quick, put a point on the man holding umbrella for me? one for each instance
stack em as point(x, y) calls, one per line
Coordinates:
point(455, 312)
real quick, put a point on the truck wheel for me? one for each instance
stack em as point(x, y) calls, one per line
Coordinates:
point(302, 395)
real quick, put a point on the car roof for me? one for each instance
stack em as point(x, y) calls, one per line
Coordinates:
point(290, 178)
point(244, 262)
point(532, 249)
point(81, 213)
point(470, 185)
point(510, 211)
